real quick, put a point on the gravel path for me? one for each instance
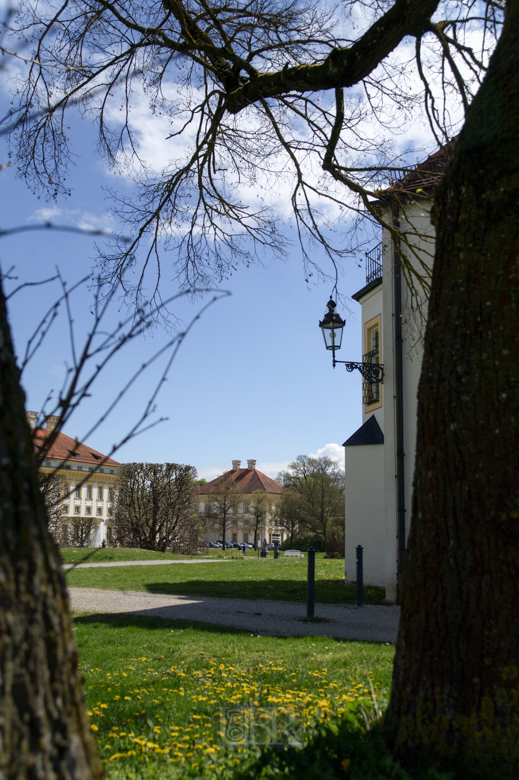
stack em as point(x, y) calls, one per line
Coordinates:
point(281, 618)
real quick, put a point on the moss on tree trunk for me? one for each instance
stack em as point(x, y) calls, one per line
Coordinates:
point(456, 676)
point(44, 728)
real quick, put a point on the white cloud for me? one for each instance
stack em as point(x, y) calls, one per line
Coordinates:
point(333, 451)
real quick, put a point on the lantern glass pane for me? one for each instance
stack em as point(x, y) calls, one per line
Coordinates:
point(332, 338)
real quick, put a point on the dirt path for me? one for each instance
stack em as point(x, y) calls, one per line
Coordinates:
point(282, 618)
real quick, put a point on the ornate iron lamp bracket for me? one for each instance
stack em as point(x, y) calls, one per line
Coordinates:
point(373, 373)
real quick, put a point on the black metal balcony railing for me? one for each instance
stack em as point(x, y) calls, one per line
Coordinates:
point(374, 263)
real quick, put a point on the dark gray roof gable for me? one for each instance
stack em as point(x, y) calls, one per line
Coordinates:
point(367, 289)
point(369, 433)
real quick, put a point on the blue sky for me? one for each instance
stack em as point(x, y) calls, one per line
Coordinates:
point(252, 379)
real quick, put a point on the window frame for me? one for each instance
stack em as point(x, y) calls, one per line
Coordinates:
point(372, 390)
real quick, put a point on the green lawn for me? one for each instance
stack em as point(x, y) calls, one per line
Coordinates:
point(168, 699)
point(244, 578)
point(108, 554)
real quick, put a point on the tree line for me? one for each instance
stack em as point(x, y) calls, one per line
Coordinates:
point(312, 511)
point(154, 508)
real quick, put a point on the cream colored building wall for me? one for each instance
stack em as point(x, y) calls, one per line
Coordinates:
point(364, 506)
point(74, 473)
point(241, 525)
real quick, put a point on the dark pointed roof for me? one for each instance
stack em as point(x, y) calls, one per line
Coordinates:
point(247, 481)
point(369, 433)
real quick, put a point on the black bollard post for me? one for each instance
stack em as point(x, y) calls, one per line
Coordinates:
point(360, 578)
point(276, 552)
point(310, 599)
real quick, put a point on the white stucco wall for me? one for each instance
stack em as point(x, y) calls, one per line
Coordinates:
point(371, 500)
point(418, 226)
point(364, 467)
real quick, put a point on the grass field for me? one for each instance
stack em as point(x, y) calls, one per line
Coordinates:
point(244, 578)
point(171, 700)
point(110, 554)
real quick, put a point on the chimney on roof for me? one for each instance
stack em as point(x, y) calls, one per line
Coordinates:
point(51, 420)
point(31, 418)
point(236, 465)
point(251, 464)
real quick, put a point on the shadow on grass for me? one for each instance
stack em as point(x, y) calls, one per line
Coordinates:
point(326, 591)
point(148, 623)
point(344, 748)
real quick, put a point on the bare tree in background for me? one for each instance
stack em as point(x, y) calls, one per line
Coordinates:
point(53, 488)
point(259, 505)
point(288, 514)
point(154, 507)
point(319, 485)
point(81, 531)
point(224, 503)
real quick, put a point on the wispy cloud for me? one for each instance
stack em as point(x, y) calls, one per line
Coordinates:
point(84, 220)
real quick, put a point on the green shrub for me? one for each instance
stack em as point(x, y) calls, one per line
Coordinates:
point(303, 542)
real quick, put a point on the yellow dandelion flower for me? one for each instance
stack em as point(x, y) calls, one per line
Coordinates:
point(93, 727)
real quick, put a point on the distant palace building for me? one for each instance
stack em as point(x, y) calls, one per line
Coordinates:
point(90, 479)
point(245, 487)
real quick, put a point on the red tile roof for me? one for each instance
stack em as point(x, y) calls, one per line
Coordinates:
point(247, 481)
point(64, 447)
point(423, 177)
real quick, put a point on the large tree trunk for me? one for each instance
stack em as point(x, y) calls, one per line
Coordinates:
point(456, 676)
point(44, 729)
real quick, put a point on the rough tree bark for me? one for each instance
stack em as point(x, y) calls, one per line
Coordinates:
point(44, 728)
point(455, 688)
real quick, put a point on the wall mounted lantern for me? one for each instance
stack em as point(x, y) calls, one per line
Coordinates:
point(332, 326)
